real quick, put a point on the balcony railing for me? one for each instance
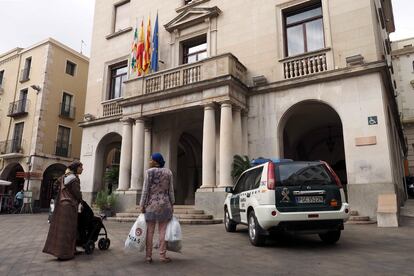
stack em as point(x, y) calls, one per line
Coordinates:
point(18, 108)
point(111, 108)
point(304, 65)
point(188, 74)
point(67, 111)
point(24, 74)
point(11, 146)
point(62, 149)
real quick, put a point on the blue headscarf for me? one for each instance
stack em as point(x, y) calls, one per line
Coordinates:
point(157, 157)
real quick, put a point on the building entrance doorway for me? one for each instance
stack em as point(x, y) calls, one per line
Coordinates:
point(313, 131)
point(48, 189)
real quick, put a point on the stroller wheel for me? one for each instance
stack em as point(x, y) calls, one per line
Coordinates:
point(89, 247)
point(108, 243)
point(103, 243)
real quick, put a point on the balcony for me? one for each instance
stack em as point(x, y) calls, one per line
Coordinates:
point(187, 75)
point(62, 149)
point(111, 108)
point(24, 74)
point(11, 148)
point(67, 111)
point(18, 108)
point(305, 64)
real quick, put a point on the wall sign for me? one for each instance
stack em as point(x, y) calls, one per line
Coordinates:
point(372, 120)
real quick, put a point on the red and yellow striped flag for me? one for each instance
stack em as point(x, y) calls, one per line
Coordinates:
point(140, 50)
point(147, 51)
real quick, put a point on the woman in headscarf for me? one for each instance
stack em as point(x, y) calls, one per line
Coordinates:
point(61, 239)
point(156, 203)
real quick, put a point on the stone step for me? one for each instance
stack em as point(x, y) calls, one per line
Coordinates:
point(360, 222)
point(184, 216)
point(358, 218)
point(176, 211)
point(182, 221)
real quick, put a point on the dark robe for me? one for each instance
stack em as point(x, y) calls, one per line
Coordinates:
point(61, 239)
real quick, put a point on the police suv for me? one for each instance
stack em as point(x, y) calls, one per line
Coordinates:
point(294, 196)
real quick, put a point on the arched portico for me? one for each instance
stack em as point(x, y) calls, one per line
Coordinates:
point(50, 175)
point(312, 130)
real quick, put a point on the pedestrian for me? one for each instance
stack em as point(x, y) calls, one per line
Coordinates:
point(19, 199)
point(156, 203)
point(61, 239)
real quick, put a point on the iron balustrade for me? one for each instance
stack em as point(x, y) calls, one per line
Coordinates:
point(17, 108)
point(67, 111)
point(11, 146)
point(62, 149)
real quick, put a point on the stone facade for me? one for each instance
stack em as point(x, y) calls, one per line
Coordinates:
point(34, 82)
point(248, 96)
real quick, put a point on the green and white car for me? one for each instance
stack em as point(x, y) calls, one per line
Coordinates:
point(294, 196)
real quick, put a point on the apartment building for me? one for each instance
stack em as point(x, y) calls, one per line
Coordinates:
point(300, 79)
point(403, 63)
point(42, 97)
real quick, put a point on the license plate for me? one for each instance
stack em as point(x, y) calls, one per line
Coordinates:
point(309, 199)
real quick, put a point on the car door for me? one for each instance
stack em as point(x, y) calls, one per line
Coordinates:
point(235, 198)
point(247, 197)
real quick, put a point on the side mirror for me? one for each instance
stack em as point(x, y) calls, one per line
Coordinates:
point(229, 190)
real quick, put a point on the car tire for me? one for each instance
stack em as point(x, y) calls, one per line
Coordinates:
point(255, 236)
point(330, 237)
point(229, 224)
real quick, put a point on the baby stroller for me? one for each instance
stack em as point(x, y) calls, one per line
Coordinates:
point(89, 229)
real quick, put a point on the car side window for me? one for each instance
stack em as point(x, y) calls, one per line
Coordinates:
point(253, 180)
point(240, 185)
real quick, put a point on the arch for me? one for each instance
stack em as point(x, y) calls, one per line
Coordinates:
point(50, 175)
point(312, 130)
point(189, 164)
point(104, 151)
point(10, 173)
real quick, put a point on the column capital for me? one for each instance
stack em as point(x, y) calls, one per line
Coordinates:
point(211, 105)
point(226, 103)
point(126, 120)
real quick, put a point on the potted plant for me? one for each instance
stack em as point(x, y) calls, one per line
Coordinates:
point(106, 202)
point(240, 164)
point(111, 178)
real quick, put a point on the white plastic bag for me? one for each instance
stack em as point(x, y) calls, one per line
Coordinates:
point(137, 234)
point(173, 235)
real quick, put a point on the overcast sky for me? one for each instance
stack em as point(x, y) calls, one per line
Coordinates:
point(26, 22)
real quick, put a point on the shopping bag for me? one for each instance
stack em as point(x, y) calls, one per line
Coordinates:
point(137, 234)
point(173, 235)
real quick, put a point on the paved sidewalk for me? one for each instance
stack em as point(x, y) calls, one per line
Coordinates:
point(209, 250)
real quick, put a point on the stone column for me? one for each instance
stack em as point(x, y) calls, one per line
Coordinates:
point(226, 149)
point(237, 131)
point(209, 148)
point(126, 148)
point(147, 147)
point(245, 145)
point(137, 156)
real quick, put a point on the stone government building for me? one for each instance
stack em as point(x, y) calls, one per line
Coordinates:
point(298, 79)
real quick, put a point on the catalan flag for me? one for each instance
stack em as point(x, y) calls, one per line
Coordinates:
point(147, 51)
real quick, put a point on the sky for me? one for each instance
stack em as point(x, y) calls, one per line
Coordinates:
point(26, 22)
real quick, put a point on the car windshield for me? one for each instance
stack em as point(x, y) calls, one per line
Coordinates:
point(295, 174)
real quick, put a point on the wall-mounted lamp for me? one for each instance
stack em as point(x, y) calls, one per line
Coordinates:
point(36, 87)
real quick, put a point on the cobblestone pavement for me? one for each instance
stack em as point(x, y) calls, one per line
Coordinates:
point(209, 250)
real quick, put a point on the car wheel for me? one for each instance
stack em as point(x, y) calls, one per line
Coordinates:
point(330, 237)
point(255, 236)
point(229, 224)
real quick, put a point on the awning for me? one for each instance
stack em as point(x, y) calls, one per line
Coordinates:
point(4, 183)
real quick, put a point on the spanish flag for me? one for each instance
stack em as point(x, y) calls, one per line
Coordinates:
point(140, 50)
point(147, 51)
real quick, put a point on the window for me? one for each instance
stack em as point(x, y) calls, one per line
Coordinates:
point(1, 78)
point(23, 100)
point(17, 137)
point(70, 68)
point(241, 184)
point(62, 143)
point(66, 109)
point(121, 20)
point(187, 2)
point(118, 76)
point(304, 30)
point(24, 76)
point(194, 50)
